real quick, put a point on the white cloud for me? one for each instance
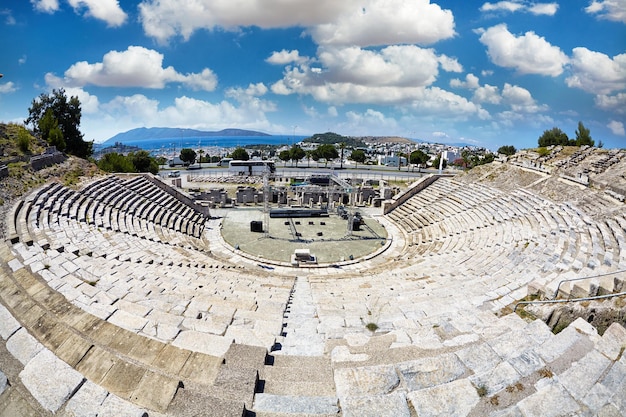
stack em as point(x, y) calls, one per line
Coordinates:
point(528, 54)
point(508, 119)
point(331, 22)
point(285, 57)
point(22, 60)
point(608, 9)
point(89, 104)
point(7, 88)
point(46, 6)
point(450, 64)
point(205, 80)
point(548, 9)
point(163, 19)
point(371, 120)
point(487, 94)
point(250, 97)
point(508, 6)
point(258, 89)
point(9, 20)
point(517, 97)
point(617, 128)
point(367, 23)
point(520, 99)
point(596, 72)
point(396, 75)
point(616, 103)
point(106, 10)
point(438, 101)
point(135, 67)
point(399, 65)
point(471, 82)
point(332, 111)
point(393, 74)
point(127, 112)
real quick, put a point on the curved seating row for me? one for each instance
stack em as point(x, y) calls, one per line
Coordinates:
point(124, 296)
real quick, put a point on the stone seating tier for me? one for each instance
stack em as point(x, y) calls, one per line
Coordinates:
point(136, 307)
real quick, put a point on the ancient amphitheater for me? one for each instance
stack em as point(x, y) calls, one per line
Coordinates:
point(119, 299)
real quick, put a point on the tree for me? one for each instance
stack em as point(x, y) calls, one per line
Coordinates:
point(582, 136)
point(23, 140)
point(327, 152)
point(240, 154)
point(55, 138)
point(115, 162)
point(48, 128)
point(554, 136)
point(187, 155)
point(67, 113)
point(358, 156)
point(284, 156)
point(418, 157)
point(309, 156)
point(437, 160)
point(143, 162)
point(200, 152)
point(296, 153)
point(139, 161)
point(487, 159)
point(507, 150)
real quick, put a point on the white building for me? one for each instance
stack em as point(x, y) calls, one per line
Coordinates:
point(391, 161)
point(450, 156)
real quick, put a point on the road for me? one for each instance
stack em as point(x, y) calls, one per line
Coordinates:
point(365, 172)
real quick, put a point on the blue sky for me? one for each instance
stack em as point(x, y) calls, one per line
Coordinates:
point(484, 73)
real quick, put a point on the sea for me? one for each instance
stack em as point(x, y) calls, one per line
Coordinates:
point(165, 146)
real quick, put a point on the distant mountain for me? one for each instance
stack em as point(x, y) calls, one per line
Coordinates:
point(143, 133)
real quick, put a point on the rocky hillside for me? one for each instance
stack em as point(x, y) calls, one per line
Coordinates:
point(17, 146)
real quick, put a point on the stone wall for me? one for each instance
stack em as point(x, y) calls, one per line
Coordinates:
point(46, 159)
point(415, 188)
point(184, 198)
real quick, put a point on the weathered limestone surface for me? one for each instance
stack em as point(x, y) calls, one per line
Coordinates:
point(66, 380)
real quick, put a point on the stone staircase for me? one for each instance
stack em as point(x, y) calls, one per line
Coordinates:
point(296, 386)
point(127, 325)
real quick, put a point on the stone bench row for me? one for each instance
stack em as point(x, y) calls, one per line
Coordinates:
point(110, 200)
point(514, 371)
point(102, 368)
point(165, 295)
point(576, 242)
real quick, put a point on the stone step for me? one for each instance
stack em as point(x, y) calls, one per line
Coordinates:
point(99, 351)
point(192, 402)
point(292, 405)
point(298, 381)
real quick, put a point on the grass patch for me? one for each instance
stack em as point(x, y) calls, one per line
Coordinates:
point(372, 327)
point(545, 373)
point(517, 387)
point(525, 314)
point(71, 178)
point(560, 326)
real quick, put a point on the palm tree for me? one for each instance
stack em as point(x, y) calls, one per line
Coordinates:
point(200, 152)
